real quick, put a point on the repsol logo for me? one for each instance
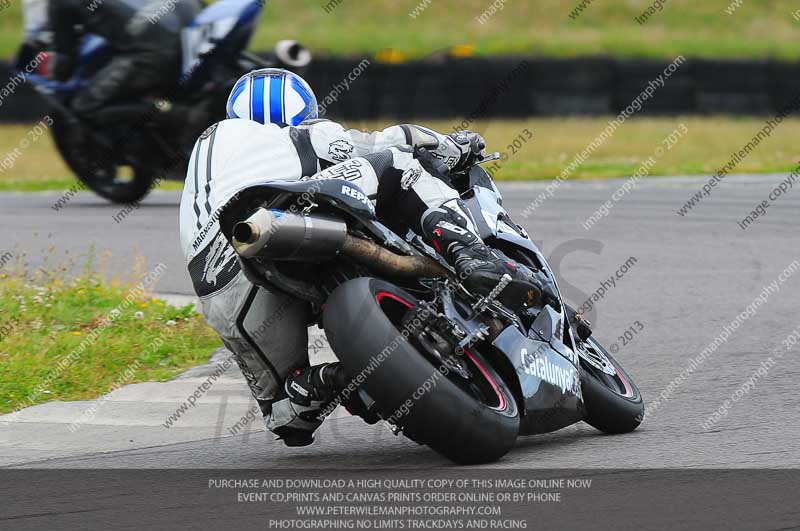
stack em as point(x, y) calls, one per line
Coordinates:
point(358, 195)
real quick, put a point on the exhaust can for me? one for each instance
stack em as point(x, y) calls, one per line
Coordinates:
point(281, 235)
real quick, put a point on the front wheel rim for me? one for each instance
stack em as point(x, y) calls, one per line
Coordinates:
point(617, 383)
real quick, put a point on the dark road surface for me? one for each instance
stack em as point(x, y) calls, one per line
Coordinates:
point(690, 277)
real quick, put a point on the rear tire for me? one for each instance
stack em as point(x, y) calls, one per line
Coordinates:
point(613, 404)
point(362, 329)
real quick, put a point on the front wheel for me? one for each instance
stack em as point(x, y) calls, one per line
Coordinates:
point(96, 167)
point(461, 409)
point(613, 402)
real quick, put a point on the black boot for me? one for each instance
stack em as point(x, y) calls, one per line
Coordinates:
point(479, 268)
point(309, 397)
point(327, 382)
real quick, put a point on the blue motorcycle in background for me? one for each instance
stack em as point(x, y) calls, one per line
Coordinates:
point(131, 146)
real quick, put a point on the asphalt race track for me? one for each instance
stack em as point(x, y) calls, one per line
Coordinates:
point(690, 277)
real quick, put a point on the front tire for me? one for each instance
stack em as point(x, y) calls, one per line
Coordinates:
point(613, 402)
point(363, 323)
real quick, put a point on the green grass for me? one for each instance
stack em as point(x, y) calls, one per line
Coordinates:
point(706, 147)
point(759, 28)
point(38, 167)
point(46, 315)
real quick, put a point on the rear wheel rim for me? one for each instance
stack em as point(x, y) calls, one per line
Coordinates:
point(483, 388)
point(501, 406)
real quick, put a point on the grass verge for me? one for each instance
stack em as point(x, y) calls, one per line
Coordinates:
point(704, 149)
point(757, 28)
point(707, 145)
point(79, 338)
point(38, 167)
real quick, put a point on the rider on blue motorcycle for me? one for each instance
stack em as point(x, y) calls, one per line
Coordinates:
point(274, 134)
point(144, 37)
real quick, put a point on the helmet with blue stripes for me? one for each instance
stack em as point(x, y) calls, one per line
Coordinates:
point(272, 95)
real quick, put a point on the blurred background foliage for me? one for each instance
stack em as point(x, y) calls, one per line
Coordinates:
point(758, 28)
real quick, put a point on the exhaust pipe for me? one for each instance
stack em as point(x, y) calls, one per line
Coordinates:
point(387, 262)
point(292, 53)
point(279, 235)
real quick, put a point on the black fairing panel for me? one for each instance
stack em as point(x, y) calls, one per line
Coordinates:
point(550, 384)
point(348, 196)
point(477, 176)
point(517, 240)
point(480, 177)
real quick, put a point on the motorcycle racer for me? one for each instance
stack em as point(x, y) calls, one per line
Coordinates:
point(145, 38)
point(274, 134)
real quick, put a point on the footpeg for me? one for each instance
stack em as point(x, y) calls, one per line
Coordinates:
point(481, 305)
point(479, 334)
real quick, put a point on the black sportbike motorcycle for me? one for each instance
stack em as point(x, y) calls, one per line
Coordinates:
point(129, 146)
point(460, 373)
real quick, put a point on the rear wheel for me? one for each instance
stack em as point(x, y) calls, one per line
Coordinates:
point(97, 168)
point(462, 409)
point(613, 402)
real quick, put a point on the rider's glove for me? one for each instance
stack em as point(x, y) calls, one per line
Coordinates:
point(470, 147)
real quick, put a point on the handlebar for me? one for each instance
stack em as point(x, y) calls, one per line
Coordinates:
point(439, 168)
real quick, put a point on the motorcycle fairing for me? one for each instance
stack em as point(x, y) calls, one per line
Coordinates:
point(346, 196)
point(549, 327)
point(550, 384)
point(477, 176)
point(225, 26)
point(548, 324)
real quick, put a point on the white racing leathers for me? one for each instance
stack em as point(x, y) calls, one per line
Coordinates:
point(267, 332)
